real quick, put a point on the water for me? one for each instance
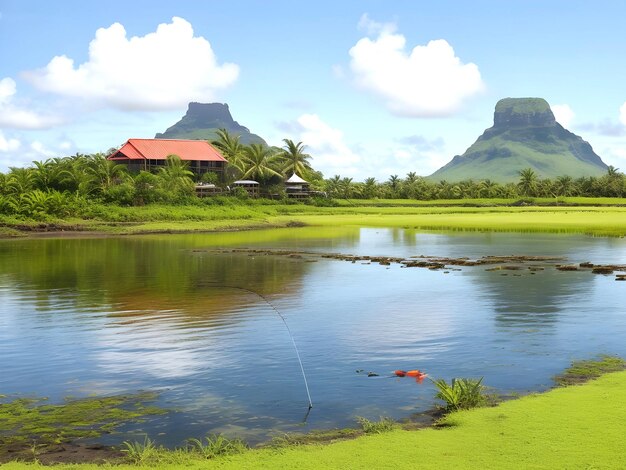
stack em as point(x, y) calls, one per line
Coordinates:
point(81, 317)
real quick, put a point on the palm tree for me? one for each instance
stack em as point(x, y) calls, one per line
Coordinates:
point(333, 185)
point(175, 177)
point(411, 177)
point(232, 149)
point(20, 180)
point(528, 182)
point(564, 186)
point(369, 188)
point(295, 160)
point(104, 171)
point(260, 163)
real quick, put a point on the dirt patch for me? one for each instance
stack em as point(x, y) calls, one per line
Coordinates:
point(64, 454)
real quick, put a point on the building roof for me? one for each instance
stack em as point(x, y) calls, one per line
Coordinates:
point(160, 149)
point(245, 182)
point(295, 179)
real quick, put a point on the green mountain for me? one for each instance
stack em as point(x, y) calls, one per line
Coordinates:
point(524, 135)
point(202, 121)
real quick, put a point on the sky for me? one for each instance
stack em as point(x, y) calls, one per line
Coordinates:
point(372, 88)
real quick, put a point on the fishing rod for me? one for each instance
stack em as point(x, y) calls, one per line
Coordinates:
point(293, 341)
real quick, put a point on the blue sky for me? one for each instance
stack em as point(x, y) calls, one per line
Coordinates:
point(372, 88)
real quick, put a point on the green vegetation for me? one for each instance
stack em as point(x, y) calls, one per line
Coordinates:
point(461, 394)
point(29, 421)
point(202, 122)
point(569, 427)
point(522, 105)
point(376, 427)
point(525, 134)
point(583, 371)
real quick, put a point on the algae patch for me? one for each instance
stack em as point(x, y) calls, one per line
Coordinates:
point(29, 422)
point(583, 371)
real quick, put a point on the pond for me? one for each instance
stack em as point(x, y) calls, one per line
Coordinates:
point(102, 316)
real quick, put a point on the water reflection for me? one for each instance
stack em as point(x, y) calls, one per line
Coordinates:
point(85, 316)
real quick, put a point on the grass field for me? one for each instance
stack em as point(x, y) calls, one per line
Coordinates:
point(599, 220)
point(576, 427)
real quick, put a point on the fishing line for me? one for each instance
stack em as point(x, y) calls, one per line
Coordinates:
point(306, 384)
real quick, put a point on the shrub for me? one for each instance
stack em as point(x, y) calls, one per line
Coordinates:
point(461, 394)
point(217, 445)
point(138, 452)
point(376, 427)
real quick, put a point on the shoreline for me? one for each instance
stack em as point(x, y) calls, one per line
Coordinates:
point(75, 452)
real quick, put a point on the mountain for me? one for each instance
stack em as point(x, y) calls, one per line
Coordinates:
point(202, 121)
point(524, 135)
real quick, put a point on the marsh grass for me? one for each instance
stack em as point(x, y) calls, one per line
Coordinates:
point(384, 424)
point(216, 445)
point(583, 371)
point(140, 452)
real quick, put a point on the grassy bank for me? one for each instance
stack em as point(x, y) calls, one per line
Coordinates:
point(573, 427)
point(469, 215)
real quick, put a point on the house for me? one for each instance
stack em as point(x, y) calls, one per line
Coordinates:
point(296, 187)
point(250, 186)
point(151, 154)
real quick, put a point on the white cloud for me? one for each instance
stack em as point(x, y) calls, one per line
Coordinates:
point(162, 70)
point(622, 114)
point(13, 116)
point(563, 114)
point(8, 145)
point(331, 154)
point(372, 27)
point(428, 81)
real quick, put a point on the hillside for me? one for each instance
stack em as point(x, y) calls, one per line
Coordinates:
point(202, 122)
point(525, 134)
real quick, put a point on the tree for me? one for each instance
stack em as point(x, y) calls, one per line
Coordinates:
point(260, 163)
point(295, 160)
point(175, 178)
point(105, 172)
point(528, 182)
point(564, 186)
point(232, 150)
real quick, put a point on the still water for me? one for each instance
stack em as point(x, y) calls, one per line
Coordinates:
point(81, 317)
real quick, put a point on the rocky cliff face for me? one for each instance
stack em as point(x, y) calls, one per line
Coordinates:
point(203, 120)
point(525, 134)
point(523, 112)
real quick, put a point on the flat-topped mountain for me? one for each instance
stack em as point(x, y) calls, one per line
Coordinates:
point(203, 120)
point(525, 134)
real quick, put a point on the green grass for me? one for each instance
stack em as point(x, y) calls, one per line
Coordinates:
point(571, 427)
point(595, 218)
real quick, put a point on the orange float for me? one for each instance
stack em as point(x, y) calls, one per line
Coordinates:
point(400, 373)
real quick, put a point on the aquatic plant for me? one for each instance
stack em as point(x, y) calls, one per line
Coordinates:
point(217, 445)
point(140, 452)
point(376, 427)
point(28, 421)
point(461, 394)
point(583, 371)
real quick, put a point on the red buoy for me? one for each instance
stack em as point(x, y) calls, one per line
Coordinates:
point(413, 373)
point(400, 373)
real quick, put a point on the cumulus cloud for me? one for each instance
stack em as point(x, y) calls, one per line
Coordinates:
point(13, 116)
point(427, 81)
point(563, 114)
point(326, 145)
point(8, 144)
point(162, 70)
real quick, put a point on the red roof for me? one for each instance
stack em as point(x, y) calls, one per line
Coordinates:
point(160, 149)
